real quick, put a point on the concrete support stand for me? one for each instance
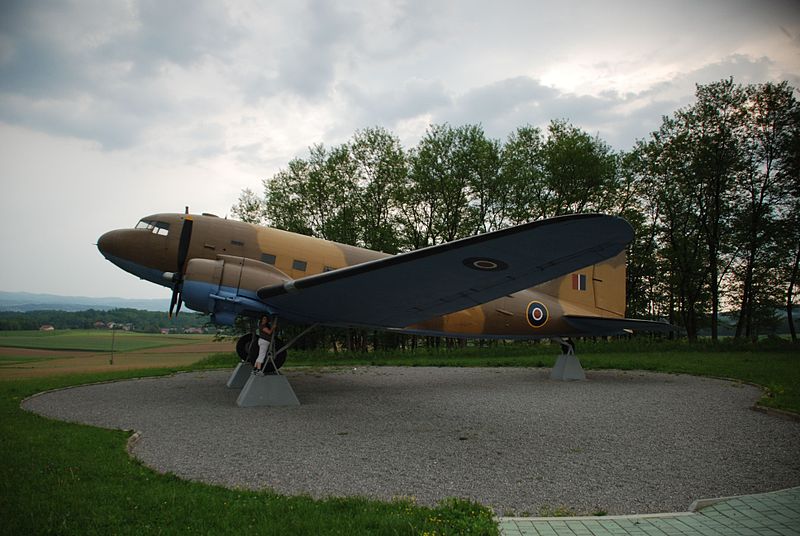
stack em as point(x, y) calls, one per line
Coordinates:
point(567, 367)
point(240, 375)
point(270, 390)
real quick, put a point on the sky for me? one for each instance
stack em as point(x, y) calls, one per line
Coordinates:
point(110, 111)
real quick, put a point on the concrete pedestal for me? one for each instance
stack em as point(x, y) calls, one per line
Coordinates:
point(270, 390)
point(567, 367)
point(240, 375)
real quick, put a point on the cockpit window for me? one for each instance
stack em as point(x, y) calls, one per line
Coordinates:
point(155, 227)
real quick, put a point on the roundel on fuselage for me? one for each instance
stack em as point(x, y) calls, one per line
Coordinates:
point(537, 314)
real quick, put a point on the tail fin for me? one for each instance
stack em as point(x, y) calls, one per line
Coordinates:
point(609, 285)
point(599, 286)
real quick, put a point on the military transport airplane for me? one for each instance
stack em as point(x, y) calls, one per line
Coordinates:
point(553, 278)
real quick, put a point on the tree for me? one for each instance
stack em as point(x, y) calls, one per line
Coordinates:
point(315, 196)
point(580, 170)
point(764, 195)
point(451, 174)
point(522, 171)
point(379, 165)
point(668, 189)
point(715, 135)
point(568, 172)
point(789, 218)
point(637, 201)
point(249, 208)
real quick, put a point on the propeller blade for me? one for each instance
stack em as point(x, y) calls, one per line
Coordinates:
point(183, 244)
point(183, 253)
point(173, 300)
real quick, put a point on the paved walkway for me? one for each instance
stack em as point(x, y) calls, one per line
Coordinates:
point(768, 514)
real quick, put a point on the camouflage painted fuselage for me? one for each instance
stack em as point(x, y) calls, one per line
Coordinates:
point(230, 260)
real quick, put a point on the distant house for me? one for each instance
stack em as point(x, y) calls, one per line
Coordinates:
point(193, 330)
point(46, 327)
point(165, 331)
point(99, 324)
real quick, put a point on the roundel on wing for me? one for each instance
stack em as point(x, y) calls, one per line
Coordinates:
point(537, 314)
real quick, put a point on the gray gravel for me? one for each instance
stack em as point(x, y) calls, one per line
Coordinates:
point(622, 442)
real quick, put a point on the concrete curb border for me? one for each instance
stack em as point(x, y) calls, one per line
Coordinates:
point(694, 509)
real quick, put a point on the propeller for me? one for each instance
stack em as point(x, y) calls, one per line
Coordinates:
point(178, 275)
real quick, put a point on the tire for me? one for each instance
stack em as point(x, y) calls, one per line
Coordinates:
point(249, 353)
point(243, 347)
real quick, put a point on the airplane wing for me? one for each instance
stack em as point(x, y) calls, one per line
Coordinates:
point(409, 288)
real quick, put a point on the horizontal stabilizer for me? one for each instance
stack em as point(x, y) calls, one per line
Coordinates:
point(595, 325)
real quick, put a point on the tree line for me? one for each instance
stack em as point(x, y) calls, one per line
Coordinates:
point(713, 195)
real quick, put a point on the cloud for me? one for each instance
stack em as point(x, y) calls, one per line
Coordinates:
point(388, 106)
point(323, 35)
point(146, 73)
point(104, 72)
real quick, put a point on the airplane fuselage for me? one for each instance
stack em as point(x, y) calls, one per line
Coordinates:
point(228, 261)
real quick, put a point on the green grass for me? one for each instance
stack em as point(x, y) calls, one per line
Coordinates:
point(60, 478)
point(19, 359)
point(93, 340)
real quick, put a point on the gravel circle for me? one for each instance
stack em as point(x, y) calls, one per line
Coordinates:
point(510, 438)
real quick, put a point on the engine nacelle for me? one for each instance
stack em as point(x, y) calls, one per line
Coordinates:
point(226, 287)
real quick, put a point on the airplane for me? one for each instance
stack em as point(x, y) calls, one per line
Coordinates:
point(556, 278)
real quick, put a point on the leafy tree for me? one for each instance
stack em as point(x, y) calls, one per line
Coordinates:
point(579, 170)
point(714, 130)
point(451, 172)
point(315, 196)
point(249, 207)
point(568, 172)
point(637, 202)
point(381, 175)
point(522, 171)
point(763, 195)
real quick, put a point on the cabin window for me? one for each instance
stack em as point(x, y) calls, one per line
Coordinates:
point(268, 258)
point(237, 243)
point(299, 265)
point(155, 227)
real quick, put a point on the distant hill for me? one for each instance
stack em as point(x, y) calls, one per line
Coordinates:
point(27, 301)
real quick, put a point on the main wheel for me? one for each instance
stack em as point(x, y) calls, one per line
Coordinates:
point(243, 348)
point(247, 350)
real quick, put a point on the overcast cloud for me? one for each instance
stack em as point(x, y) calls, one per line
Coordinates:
point(110, 111)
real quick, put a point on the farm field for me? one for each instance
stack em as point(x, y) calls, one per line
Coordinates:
point(29, 354)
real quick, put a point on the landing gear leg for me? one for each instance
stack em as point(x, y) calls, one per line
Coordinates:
point(567, 366)
point(271, 389)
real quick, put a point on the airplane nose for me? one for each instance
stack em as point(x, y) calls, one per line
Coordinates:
point(109, 243)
